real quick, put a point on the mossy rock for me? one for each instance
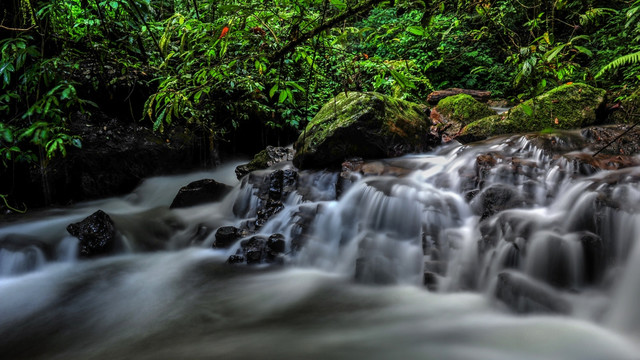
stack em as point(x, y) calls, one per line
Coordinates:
point(264, 159)
point(367, 125)
point(454, 112)
point(569, 106)
point(628, 106)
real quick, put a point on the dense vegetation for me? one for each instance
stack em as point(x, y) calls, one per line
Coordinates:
point(218, 65)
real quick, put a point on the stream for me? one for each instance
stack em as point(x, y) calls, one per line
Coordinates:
point(496, 250)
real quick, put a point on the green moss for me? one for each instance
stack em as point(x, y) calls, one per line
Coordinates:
point(259, 161)
point(360, 124)
point(565, 107)
point(463, 108)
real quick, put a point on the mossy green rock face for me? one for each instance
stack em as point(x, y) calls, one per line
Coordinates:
point(454, 112)
point(367, 125)
point(569, 106)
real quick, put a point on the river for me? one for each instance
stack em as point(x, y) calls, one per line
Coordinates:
point(525, 255)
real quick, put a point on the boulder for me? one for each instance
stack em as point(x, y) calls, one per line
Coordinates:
point(569, 106)
point(455, 112)
point(264, 159)
point(367, 125)
point(97, 235)
point(200, 192)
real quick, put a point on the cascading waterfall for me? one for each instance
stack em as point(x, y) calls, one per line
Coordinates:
point(455, 242)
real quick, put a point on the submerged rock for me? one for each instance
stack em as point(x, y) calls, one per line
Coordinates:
point(97, 235)
point(200, 192)
point(454, 113)
point(264, 159)
point(367, 125)
point(524, 295)
point(569, 106)
point(495, 199)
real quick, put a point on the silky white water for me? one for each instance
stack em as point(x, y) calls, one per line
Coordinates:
point(526, 259)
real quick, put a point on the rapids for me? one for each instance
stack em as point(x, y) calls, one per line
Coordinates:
point(499, 250)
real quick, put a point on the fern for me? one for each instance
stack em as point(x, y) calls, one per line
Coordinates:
point(629, 59)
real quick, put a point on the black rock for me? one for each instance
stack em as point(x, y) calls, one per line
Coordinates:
point(226, 236)
point(276, 244)
point(97, 235)
point(524, 295)
point(254, 249)
point(200, 192)
point(496, 198)
point(594, 257)
point(235, 259)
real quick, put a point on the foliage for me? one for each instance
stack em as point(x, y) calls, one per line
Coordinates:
point(220, 65)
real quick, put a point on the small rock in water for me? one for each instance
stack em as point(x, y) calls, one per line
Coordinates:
point(200, 192)
point(254, 249)
point(97, 235)
point(226, 236)
point(524, 295)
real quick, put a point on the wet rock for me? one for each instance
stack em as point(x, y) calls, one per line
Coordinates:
point(200, 234)
point(236, 259)
point(227, 236)
point(430, 281)
point(570, 106)
point(595, 258)
point(495, 199)
point(264, 159)
point(97, 235)
point(524, 295)
point(267, 211)
point(455, 112)
point(367, 125)
point(200, 192)
point(276, 243)
point(254, 249)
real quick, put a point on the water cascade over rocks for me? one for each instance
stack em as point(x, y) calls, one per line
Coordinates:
point(505, 249)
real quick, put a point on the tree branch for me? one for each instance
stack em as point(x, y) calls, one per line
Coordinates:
point(289, 47)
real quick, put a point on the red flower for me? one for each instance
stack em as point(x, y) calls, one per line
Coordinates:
point(225, 30)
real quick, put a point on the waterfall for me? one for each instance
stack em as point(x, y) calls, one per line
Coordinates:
point(432, 245)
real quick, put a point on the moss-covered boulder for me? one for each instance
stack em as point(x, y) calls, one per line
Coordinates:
point(622, 114)
point(455, 112)
point(569, 106)
point(264, 159)
point(367, 125)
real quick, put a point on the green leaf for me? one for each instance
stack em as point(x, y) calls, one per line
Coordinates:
point(527, 109)
point(114, 4)
point(584, 50)
point(416, 30)
point(273, 90)
point(282, 97)
point(554, 52)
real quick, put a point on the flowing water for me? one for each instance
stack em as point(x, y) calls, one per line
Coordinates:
point(499, 250)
